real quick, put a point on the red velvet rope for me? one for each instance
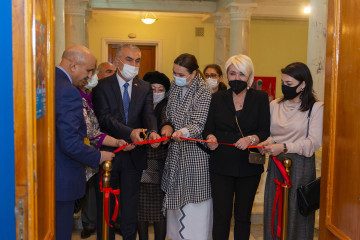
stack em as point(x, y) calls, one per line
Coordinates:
point(279, 196)
point(107, 192)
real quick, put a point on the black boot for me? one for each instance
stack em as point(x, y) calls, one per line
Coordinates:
point(143, 227)
point(160, 230)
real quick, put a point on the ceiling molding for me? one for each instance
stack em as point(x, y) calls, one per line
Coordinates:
point(156, 5)
point(266, 9)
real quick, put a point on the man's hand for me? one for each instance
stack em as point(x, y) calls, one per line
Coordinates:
point(135, 135)
point(212, 138)
point(166, 131)
point(177, 135)
point(153, 136)
point(121, 142)
point(106, 156)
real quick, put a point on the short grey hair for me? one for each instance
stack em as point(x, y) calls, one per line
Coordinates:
point(129, 45)
point(243, 64)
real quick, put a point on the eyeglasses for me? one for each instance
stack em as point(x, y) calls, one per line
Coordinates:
point(211, 75)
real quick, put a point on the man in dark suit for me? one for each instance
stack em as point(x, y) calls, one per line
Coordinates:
point(72, 154)
point(123, 105)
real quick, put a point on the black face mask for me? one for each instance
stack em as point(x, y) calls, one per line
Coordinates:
point(290, 92)
point(237, 86)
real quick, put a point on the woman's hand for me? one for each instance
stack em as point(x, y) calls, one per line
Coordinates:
point(262, 150)
point(166, 131)
point(177, 135)
point(214, 144)
point(274, 149)
point(121, 142)
point(243, 143)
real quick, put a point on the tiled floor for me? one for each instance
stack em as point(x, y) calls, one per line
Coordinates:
point(256, 234)
point(256, 227)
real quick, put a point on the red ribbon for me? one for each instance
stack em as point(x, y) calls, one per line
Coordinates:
point(107, 192)
point(166, 138)
point(142, 142)
point(279, 196)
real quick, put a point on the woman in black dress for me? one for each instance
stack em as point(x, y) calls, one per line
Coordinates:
point(238, 115)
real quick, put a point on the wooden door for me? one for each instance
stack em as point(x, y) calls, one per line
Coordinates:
point(148, 59)
point(34, 118)
point(340, 183)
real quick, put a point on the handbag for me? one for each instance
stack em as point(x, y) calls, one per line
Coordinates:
point(254, 157)
point(308, 197)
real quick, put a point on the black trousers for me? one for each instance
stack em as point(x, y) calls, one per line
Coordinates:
point(223, 190)
point(126, 177)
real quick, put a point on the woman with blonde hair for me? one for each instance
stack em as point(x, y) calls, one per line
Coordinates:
point(239, 115)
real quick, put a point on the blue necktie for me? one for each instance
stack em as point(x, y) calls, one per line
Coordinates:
point(126, 101)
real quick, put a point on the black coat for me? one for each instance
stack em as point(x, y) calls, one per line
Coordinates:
point(254, 119)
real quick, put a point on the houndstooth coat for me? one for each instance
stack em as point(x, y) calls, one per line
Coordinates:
point(186, 172)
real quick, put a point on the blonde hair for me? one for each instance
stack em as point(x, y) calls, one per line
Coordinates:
point(243, 64)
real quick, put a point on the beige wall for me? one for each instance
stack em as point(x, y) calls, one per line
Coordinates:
point(176, 33)
point(273, 43)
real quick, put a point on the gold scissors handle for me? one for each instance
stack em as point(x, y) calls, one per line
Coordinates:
point(145, 136)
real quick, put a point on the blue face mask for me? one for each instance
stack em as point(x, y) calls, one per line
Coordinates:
point(181, 81)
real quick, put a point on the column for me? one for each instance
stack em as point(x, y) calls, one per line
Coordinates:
point(240, 14)
point(222, 38)
point(316, 54)
point(75, 27)
point(59, 6)
point(316, 51)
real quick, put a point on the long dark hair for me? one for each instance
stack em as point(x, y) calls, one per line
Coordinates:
point(189, 62)
point(301, 72)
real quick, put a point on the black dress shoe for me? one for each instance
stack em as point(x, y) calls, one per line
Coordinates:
point(87, 232)
point(117, 228)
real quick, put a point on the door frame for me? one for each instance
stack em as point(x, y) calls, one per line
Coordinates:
point(157, 43)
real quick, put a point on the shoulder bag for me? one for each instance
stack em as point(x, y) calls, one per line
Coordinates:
point(308, 196)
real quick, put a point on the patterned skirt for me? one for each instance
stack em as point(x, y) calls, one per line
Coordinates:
point(302, 171)
point(150, 203)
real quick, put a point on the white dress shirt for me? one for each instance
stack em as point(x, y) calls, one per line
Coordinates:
point(121, 84)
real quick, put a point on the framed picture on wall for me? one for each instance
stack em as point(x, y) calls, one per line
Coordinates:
point(267, 84)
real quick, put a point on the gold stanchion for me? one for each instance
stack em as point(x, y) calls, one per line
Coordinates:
point(107, 166)
point(287, 165)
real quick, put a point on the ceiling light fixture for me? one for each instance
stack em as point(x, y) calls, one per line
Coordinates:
point(307, 10)
point(149, 18)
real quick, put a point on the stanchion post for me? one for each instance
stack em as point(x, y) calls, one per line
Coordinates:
point(107, 166)
point(287, 165)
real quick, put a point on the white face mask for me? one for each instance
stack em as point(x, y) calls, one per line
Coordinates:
point(213, 82)
point(92, 82)
point(129, 72)
point(158, 97)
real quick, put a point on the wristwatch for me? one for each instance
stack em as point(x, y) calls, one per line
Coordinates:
point(252, 139)
point(285, 148)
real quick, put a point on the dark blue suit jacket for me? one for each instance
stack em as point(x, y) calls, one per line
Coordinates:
point(71, 153)
point(108, 107)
